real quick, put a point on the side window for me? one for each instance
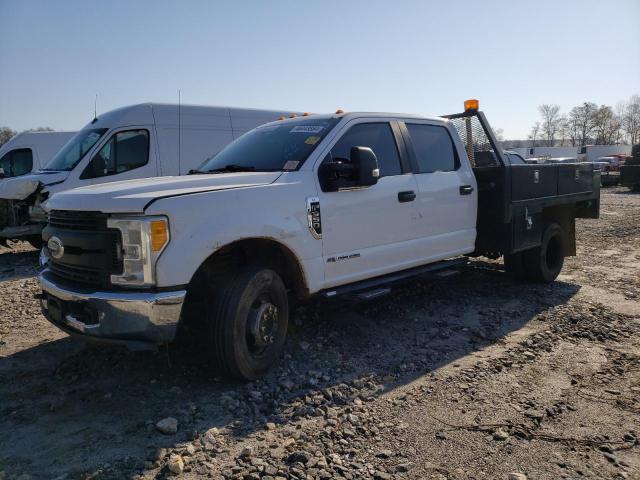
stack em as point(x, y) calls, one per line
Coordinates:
point(433, 148)
point(17, 162)
point(378, 137)
point(516, 159)
point(123, 152)
point(5, 164)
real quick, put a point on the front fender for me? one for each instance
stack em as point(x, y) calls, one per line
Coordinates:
point(202, 224)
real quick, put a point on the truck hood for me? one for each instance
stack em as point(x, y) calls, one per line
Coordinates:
point(19, 188)
point(132, 196)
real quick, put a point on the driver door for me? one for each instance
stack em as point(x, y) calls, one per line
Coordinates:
point(369, 231)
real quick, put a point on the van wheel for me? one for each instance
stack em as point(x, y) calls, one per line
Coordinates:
point(247, 320)
point(514, 264)
point(544, 263)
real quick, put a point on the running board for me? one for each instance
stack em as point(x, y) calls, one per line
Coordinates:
point(379, 286)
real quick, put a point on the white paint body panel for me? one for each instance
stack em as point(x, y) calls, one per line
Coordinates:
point(43, 145)
point(207, 212)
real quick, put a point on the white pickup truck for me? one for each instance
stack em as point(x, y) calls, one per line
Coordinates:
point(341, 204)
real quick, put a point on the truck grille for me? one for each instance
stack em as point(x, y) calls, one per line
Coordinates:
point(91, 276)
point(91, 250)
point(72, 220)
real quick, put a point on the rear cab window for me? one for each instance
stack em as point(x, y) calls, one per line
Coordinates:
point(433, 148)
point(17, 162)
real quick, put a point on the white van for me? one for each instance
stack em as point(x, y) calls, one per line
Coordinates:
point(30, 151)
point(138, 141)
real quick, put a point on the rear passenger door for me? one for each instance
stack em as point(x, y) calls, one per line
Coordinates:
point(369, 231)
point(447, 192)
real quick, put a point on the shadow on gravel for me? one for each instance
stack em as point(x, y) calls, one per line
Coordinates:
point(65, 408)
point(26, 262)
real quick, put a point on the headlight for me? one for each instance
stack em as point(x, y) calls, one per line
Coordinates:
point(143, 240)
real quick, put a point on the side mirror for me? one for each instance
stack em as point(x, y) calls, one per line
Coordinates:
point(360, 170)
point(95, 169)
point(365, 163)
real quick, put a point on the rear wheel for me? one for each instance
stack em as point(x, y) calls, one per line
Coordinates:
point(247, 322)
point(544, 263)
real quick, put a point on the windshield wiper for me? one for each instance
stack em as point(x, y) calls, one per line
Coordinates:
point(232, 168)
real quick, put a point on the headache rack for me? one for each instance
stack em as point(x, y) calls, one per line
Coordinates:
point(514, 201)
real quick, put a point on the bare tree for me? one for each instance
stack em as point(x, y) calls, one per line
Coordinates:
point(563, 129)
point(573, 130)
point(40, 129)
point(630, 119)
point(533, 136)
point(605, 125)
point(5, 135)
point(550, 122)
point(581, 118)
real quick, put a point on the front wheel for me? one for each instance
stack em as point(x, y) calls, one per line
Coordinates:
point(544, 263)
point(247, 319)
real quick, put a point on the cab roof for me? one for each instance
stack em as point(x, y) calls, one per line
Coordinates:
point(352, 115)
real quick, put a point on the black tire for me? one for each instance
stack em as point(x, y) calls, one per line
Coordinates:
point(544, 263)
point(247, 322)
point(514, 265)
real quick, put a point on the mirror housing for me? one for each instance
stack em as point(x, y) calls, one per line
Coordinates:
point(361, 170)
point(366, 163)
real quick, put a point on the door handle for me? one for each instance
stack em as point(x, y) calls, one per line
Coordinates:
point(466, 189)
point(408, 196)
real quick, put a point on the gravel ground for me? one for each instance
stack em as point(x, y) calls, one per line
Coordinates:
point(470, 377)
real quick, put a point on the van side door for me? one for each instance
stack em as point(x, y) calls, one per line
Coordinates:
point(128, 153)
point(368, 231)
point(447, 191)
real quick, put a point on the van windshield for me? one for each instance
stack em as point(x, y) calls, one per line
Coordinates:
point(74, 150)
point(273, 147)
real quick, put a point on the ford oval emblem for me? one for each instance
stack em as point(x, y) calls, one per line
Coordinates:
point(56, 248)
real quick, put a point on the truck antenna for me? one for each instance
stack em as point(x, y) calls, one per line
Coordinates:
point(95, 107)
point(179, 130)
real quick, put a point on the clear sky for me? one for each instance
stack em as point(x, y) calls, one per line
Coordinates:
point(422, 56)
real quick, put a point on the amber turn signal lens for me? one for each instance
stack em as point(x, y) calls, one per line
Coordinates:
point(471, 104)
point(159, 235)
point(339, 111)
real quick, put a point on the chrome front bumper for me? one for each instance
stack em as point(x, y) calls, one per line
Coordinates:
point(136, 319)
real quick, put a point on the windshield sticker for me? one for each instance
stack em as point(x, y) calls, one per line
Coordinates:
point(291, 165)
point(312, 140)
point(306, 129)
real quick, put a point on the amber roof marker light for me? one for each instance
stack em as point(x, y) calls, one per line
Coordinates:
point(471, 105)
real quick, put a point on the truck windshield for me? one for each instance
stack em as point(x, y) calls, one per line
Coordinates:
point(76, 148)
point(273, 147)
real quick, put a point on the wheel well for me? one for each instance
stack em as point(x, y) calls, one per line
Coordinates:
point(258, 251)
point(563, 215)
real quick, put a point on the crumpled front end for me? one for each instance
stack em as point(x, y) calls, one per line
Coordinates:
point(22, 218)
